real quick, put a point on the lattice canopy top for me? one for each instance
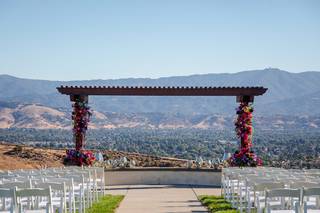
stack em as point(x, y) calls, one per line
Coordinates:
point(162, 91)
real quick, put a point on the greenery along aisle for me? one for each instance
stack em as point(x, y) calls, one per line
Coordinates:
point(216, 204)
point(107, 204)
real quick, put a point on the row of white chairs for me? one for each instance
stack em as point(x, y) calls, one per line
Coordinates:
point(32, 198)
point(248, 188)
point(71, 188)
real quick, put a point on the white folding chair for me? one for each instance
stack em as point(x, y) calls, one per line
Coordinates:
point(250, 182)
point(83, 183)
point(311, 199)
point(59, 195)
point(70, 191)
point(80, 192)
point(97, 175)
point(290, 200)
point(258, 189)
point(36, 195)
point(7, 197)
point(101, 180)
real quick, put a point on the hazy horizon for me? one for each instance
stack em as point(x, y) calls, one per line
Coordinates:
point(265, 69)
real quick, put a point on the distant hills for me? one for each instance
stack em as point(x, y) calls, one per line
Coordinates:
point(43, 117)
point(289, 95)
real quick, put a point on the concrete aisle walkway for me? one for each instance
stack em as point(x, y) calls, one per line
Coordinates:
point(161, 198)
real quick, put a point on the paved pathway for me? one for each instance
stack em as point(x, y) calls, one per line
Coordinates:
point(161, 198)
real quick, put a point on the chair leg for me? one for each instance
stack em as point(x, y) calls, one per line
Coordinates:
point(20, 208)
point(84, 201)
point(305, 208)
point(81, 204)
point(240, 198)
point(3, 204)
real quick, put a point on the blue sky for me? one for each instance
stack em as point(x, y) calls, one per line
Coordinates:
point(118, 39)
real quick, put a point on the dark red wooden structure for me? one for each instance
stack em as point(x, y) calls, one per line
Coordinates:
point(79, 95)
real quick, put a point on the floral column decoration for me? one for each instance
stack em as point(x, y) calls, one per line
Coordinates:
point(81, 116)
point(244, 130)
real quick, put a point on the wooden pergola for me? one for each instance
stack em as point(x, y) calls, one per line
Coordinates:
point(242, 93)
point(79, 95)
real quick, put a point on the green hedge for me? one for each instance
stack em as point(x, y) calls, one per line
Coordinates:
point(216, 204)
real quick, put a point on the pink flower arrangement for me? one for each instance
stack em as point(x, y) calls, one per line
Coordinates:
point(81, 116)
point(244, 158)
point(244, 131)
point(79, 157)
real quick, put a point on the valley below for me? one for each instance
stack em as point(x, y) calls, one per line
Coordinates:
point(281, 148)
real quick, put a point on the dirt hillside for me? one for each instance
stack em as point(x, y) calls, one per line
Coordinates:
point(26, 157)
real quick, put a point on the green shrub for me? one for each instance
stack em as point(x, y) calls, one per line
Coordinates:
point(217, 204)
point(214, 197)
point(208, 201)
point(228, 211)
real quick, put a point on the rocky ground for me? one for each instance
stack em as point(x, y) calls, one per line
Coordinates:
point(24, 157)
point(142, 160)
point(27, 157)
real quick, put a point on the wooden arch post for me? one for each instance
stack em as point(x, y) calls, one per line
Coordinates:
point(244, 156)
point(80, 117)
point(243, 124)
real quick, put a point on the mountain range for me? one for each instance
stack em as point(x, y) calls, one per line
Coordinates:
point(27, 102)
point(43, 117)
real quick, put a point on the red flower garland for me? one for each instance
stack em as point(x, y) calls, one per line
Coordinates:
point(244, 131)
point(81, 116)
point(79, 158)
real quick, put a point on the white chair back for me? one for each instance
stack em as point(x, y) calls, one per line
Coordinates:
point(59, 191)
point(294, 196)
point(35, 195)
point(311, 192)
point(19, 184)
point(263, 186)
point(8, 193)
